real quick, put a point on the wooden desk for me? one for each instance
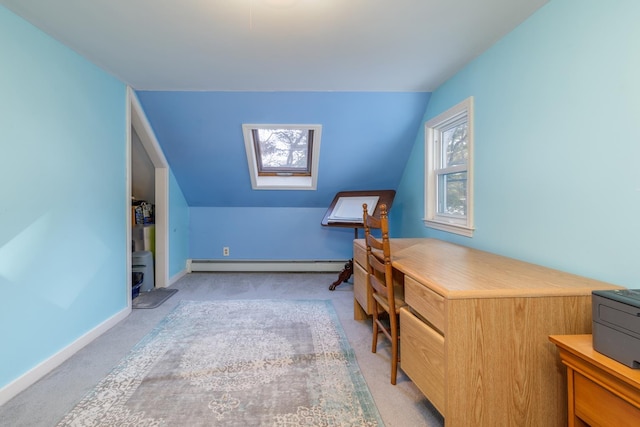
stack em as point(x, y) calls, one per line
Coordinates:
point(600, 390)
point(475, 336)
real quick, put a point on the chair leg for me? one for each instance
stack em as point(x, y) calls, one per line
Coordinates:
point(394, 348)
point(374, 340)
point(395, 340)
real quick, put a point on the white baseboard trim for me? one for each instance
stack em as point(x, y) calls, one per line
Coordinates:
point(12, 389)
point(204, 265)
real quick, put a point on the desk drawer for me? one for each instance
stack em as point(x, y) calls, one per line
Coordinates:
point(598, 406)
point(360, 254)
point(361, 291)
point(425, 302)
point(422, 357)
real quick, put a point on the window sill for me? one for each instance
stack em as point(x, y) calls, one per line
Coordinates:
point(284, 183)
point(462, 230)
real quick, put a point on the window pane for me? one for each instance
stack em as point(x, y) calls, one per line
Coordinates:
point(283, 150)
point(452, 194)
point(454, 145)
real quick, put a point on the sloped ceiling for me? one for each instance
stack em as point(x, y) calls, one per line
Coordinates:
point(361, 68)
point(366, 140)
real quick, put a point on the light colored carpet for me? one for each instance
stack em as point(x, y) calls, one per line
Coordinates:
point(47, 401)
point(236, 363)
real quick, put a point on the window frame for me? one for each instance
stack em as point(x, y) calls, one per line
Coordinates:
point(462, 225)
point(285, 179)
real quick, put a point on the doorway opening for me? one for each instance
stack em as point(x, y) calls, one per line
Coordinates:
point(139, 133)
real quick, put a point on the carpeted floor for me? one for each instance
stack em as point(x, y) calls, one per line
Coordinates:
point(47, 401)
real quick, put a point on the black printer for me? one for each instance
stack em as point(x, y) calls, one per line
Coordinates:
point(616, 325)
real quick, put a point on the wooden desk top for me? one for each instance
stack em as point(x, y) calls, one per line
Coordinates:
point(459, 272)
point(397, 245)
point(581, 346)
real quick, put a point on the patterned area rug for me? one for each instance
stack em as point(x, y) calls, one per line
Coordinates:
point(236, 363)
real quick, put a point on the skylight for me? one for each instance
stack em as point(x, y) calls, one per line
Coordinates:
point(283, 157)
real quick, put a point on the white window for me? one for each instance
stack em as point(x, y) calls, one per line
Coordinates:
point(282, 157)
point(449, 170)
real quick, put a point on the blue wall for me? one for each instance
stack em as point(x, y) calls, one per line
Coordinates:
point(267, 234)
point(557, 180)
point(178, 228)
point(201, 136)
point(62, 199)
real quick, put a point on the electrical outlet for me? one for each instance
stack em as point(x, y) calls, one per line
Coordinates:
point(225, 251)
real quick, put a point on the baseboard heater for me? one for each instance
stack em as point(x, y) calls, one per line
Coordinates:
point(203, 265)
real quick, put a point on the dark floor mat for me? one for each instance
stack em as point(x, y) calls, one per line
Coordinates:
point(153, 298)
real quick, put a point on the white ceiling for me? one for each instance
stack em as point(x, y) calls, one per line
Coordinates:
point(267, 45)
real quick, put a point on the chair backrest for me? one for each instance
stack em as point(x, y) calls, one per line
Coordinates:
point(379, 270)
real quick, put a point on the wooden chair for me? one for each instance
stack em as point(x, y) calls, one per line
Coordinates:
point(388, 298)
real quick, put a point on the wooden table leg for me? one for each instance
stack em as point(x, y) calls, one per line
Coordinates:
point(344, 275)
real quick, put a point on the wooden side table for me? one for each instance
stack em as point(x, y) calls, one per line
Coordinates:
point(601, 391)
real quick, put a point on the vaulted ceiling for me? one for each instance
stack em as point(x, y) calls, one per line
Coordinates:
point(361, 68)
point(366, 141)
